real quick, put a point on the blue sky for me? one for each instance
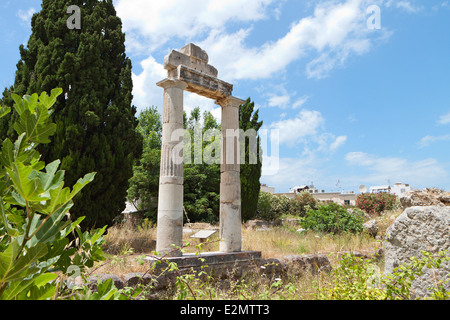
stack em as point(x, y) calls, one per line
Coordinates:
point(353, 105)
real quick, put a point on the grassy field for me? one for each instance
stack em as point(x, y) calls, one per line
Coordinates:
point(125, 247)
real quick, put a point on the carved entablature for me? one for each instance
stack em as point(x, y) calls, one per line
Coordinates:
point(190, 65)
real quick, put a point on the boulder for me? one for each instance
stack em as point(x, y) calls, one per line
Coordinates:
point(425, 197)
point(313, 262)
point(371, 227)
point(419, 229)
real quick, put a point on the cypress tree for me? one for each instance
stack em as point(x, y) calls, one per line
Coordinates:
point(250, 173)
point(94, 116)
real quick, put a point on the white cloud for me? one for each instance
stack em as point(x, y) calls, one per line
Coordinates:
point(444, 119)
point(292, 172)
point(427, 140)
point(338, 142)
point(427, 172)
point(300, 102)
point(293, 131)
point(279, 101)
point(192, 100)
point(26, 16)
point(408, 6)
point(145, 91)
point(404, 5)
point(160, 21)
point(334, 31)
point(307, 130)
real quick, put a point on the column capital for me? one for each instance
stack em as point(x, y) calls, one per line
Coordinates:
point(172, 83)
point(229, 101)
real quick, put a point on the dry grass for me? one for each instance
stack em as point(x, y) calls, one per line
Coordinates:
point(280, 242)
point(123, 237)
point(275, 242)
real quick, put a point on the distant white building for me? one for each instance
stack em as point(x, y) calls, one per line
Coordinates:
point(347, 198)
point(378, 189)
point(302, 188)
point(398, 189)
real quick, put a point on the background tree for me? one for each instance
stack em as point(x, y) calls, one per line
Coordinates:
point(250, 173)
point(94, 117)
point(202, 180)
point(144, 185)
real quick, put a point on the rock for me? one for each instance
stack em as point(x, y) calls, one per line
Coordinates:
point(273, 266)
point(301, 230)
point(118, 282)
point(313, 262)
point(419, 229)
point(295, 264)
point(135, 278)
point(445, 198)
point(371, 227)
point(425, 197)
point(258, 225)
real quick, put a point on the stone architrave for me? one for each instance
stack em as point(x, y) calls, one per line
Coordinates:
point(188, 69)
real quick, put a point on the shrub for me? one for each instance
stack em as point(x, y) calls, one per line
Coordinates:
point(34, 242)
point(376, 203)
point(302, 203)
point(270, 207)
point(361, 279)
point(353, 279)
point(332, 218)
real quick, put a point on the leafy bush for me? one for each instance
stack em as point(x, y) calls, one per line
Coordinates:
point(360, 279)
point(376, 203)
point(302, 203)
point(34, 231)
point(332, 218)
point(270, 207)
point(353, 279)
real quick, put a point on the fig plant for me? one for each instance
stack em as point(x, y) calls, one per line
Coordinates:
point(35, 250)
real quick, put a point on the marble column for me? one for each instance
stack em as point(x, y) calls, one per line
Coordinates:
point(170, 201)
point(230, 180)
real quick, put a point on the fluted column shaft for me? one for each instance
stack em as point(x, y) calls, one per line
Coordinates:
point(170, 198)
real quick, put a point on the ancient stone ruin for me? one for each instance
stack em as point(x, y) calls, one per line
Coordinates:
point(188, 69)
point(419, 229)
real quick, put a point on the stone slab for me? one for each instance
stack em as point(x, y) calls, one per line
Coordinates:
point(204, 234)
point(211, 259)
